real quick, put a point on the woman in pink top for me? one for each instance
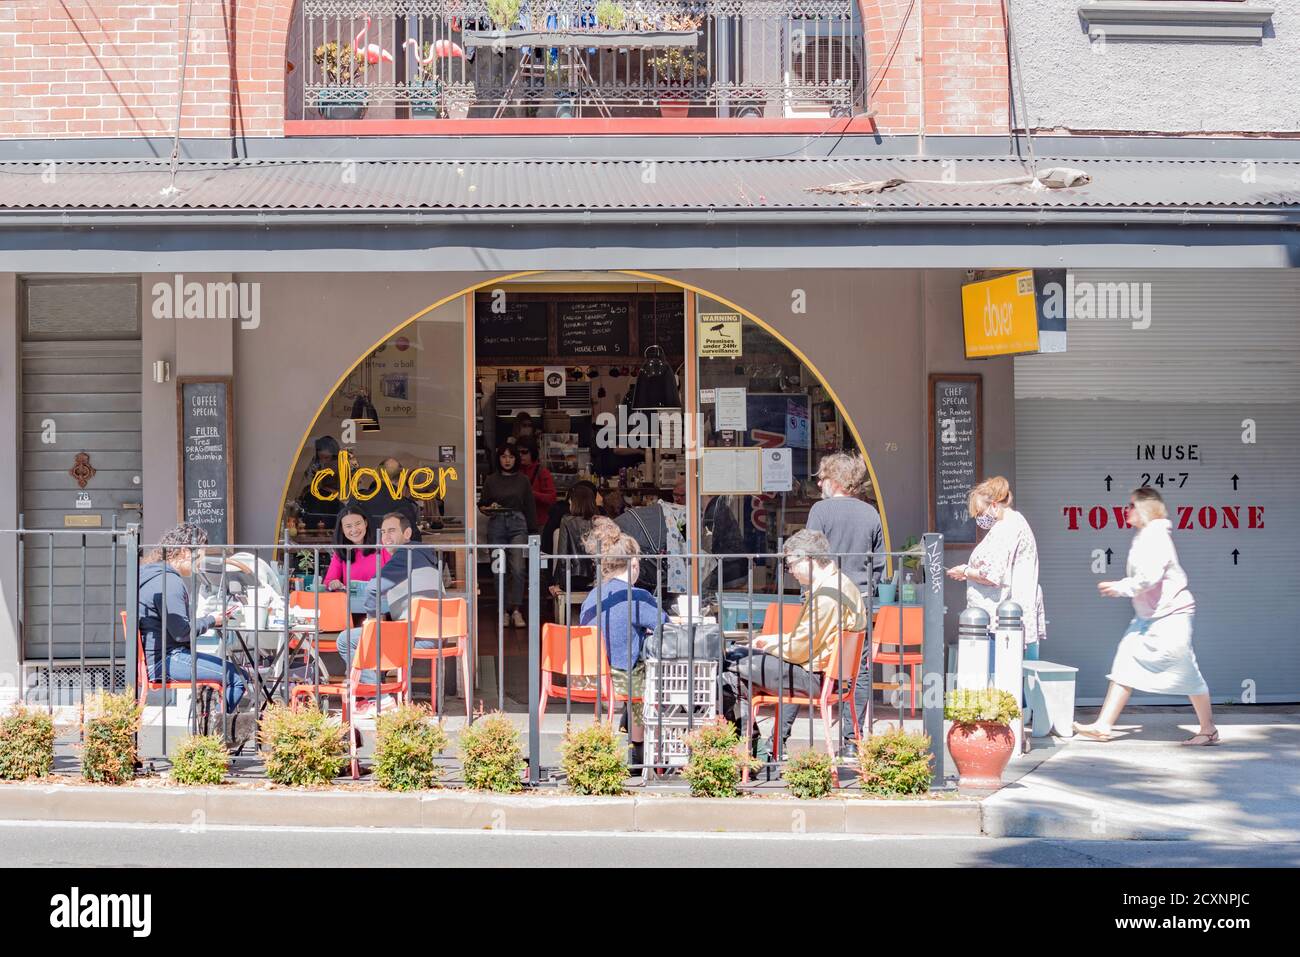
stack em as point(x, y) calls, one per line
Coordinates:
point(353, 564)
point(1155, 654)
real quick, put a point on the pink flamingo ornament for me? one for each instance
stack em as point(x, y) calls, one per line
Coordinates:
point(373, 52)
point(439, 48)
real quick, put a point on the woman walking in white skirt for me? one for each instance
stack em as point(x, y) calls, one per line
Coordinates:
point(1155, 655)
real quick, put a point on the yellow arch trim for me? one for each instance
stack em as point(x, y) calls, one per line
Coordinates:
point(654, 277)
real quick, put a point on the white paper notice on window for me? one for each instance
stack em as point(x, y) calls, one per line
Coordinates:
point(778, 470)
point(729, 411)
point(731, 471)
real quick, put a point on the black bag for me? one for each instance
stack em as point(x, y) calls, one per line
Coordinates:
point(673, 642)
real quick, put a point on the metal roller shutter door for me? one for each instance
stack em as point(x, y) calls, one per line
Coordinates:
point(1222, 351)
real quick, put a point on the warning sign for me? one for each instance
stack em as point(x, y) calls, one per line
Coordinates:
point(719, 334)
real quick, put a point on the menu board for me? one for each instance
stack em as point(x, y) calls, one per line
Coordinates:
point(956, 427)
point(205, 474)
point(511, 327)
point(593, 327)
point(662, 321)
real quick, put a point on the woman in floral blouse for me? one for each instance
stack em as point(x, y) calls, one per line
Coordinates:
point(1004, 565)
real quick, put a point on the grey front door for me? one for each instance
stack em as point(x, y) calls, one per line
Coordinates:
point(81, 472)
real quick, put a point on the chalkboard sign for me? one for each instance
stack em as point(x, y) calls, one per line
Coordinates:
point(206, 473)
point(670, 329)
point(519, 329)
point(594, 328)
point(956, 458)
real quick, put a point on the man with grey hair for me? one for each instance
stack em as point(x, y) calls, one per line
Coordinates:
point(795, 663)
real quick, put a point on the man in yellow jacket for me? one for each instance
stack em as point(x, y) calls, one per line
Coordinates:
point(793, 664)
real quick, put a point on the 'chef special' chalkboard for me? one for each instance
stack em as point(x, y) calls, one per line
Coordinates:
point(206, 472)
point(956, 454)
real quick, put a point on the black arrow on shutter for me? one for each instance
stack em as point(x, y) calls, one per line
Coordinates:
point(1108, 481)
point(1109, 555)
point(1234, 482)
point(1235, 555)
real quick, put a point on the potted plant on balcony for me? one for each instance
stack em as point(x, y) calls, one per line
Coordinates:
point(504, 14)
point(426, 85)
point(980, 739)
point(677, 70)
point(340, 66)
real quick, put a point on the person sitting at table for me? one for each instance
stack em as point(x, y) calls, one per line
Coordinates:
point(624, 630)
point(359, 564)
point(408, 571)
point(162, 585)
point(791, 664)
point(572, 529)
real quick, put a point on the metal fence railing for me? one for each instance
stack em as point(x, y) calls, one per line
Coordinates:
point(457, 58)
point(95, 599)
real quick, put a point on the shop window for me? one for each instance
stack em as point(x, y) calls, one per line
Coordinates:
point(402, 406)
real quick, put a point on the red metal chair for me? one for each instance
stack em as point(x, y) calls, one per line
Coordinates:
point(144, 684)
point(890, 642)
point(575, 652)
point(833, 692)
point(383, 647)
point(788, 612)
point(446, 619)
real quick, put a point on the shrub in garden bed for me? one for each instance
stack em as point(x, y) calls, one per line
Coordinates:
point(716, 760)
point(306, 747)
point(895, 762)
point(108, 754)
point(491, 756)
point(594, 759)
point(810, 774)
point(26, 744)
point(408, 741)
point(200, 759)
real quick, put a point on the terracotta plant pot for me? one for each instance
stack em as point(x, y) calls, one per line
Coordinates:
point(981, 752)
point(674, 107)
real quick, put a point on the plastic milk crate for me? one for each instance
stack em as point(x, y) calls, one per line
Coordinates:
point(668, 750)
point(682, 683)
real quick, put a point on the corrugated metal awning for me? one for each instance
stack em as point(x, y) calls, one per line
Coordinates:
point(678, 185)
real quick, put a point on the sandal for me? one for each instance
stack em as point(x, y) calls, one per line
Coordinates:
point(1091, 733)
point(1201, 740)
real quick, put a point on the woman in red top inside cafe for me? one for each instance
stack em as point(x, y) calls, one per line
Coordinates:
point(543, 483)
point(353, 564)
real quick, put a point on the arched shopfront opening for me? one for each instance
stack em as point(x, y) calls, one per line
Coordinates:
point(433, 383)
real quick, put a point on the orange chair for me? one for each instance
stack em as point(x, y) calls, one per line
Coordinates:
point(575, 652)
point(788, 609)
point(332, 618)
point(889, 648)
point(383, 647)
point(848, 651)
point(144, 684)
point(447, 619)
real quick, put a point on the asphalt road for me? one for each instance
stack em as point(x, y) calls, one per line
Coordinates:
point(57, 844)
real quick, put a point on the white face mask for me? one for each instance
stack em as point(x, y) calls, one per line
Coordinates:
point(986, 521)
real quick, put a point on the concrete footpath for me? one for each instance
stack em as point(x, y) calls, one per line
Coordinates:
point(1142, 785)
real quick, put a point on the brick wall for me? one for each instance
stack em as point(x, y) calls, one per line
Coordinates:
point(965, 67)
point(85, 68)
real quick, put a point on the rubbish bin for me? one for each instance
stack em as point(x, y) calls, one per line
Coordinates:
point(1049, 697)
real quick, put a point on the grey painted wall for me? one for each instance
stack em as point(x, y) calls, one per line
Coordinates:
point(1165, 86)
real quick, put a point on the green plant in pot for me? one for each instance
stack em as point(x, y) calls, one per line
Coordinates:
point(426, 85)
point(342, 70)
point(611, 15)
point(504, 14)
point(677, 71)
point(980, 739)
point(306, 567)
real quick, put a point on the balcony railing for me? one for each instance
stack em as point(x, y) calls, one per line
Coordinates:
point(425, 59)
